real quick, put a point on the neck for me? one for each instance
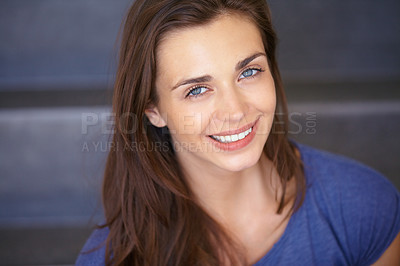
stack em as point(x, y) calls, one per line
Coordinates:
point(229, 196)
point(243, 202)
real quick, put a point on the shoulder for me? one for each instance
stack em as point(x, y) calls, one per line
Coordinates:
point(345, 178)
point(361, 205)
point(93, 252)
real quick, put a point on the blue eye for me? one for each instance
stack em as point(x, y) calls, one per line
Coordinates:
point(248, 73)
point(196, 91)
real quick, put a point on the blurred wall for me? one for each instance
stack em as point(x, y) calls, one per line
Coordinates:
point(338, 40)
point(52, 44)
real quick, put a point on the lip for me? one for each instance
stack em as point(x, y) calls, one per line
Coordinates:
point(237, 145)
point(236, 131)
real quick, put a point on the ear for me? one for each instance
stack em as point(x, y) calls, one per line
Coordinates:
point(153, 114)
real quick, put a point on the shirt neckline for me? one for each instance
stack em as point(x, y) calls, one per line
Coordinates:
point(291, 223)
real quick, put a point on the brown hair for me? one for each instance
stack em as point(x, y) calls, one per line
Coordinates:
point(150, 211)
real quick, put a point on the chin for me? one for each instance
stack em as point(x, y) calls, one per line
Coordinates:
point(242, 161)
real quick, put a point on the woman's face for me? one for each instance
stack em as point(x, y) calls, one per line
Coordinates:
point(216, 93)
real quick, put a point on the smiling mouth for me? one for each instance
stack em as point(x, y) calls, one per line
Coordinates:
point(233, 137)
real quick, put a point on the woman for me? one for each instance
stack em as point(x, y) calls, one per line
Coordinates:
point(202, 171)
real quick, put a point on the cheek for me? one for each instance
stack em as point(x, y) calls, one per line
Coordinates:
point(265, 103)
point(189, 123)
point(262, 93)
point(186, 124)
point(265, 100)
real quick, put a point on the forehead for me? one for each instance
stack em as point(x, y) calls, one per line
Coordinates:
point(229, 38)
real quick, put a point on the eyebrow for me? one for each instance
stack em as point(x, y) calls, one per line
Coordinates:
point(201, 79)
point(207, 78)
point(246, 61)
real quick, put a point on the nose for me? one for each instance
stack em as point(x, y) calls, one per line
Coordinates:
point(231, 104)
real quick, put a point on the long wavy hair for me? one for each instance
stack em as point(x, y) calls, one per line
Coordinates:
point(152, 215)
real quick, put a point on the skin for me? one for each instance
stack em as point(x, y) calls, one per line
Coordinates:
point(238, 188)
point(391, 257)
point(227, 101)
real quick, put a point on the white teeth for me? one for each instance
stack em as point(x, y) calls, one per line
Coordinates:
point(232, 138)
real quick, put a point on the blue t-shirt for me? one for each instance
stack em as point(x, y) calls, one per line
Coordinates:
point(350, 216)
